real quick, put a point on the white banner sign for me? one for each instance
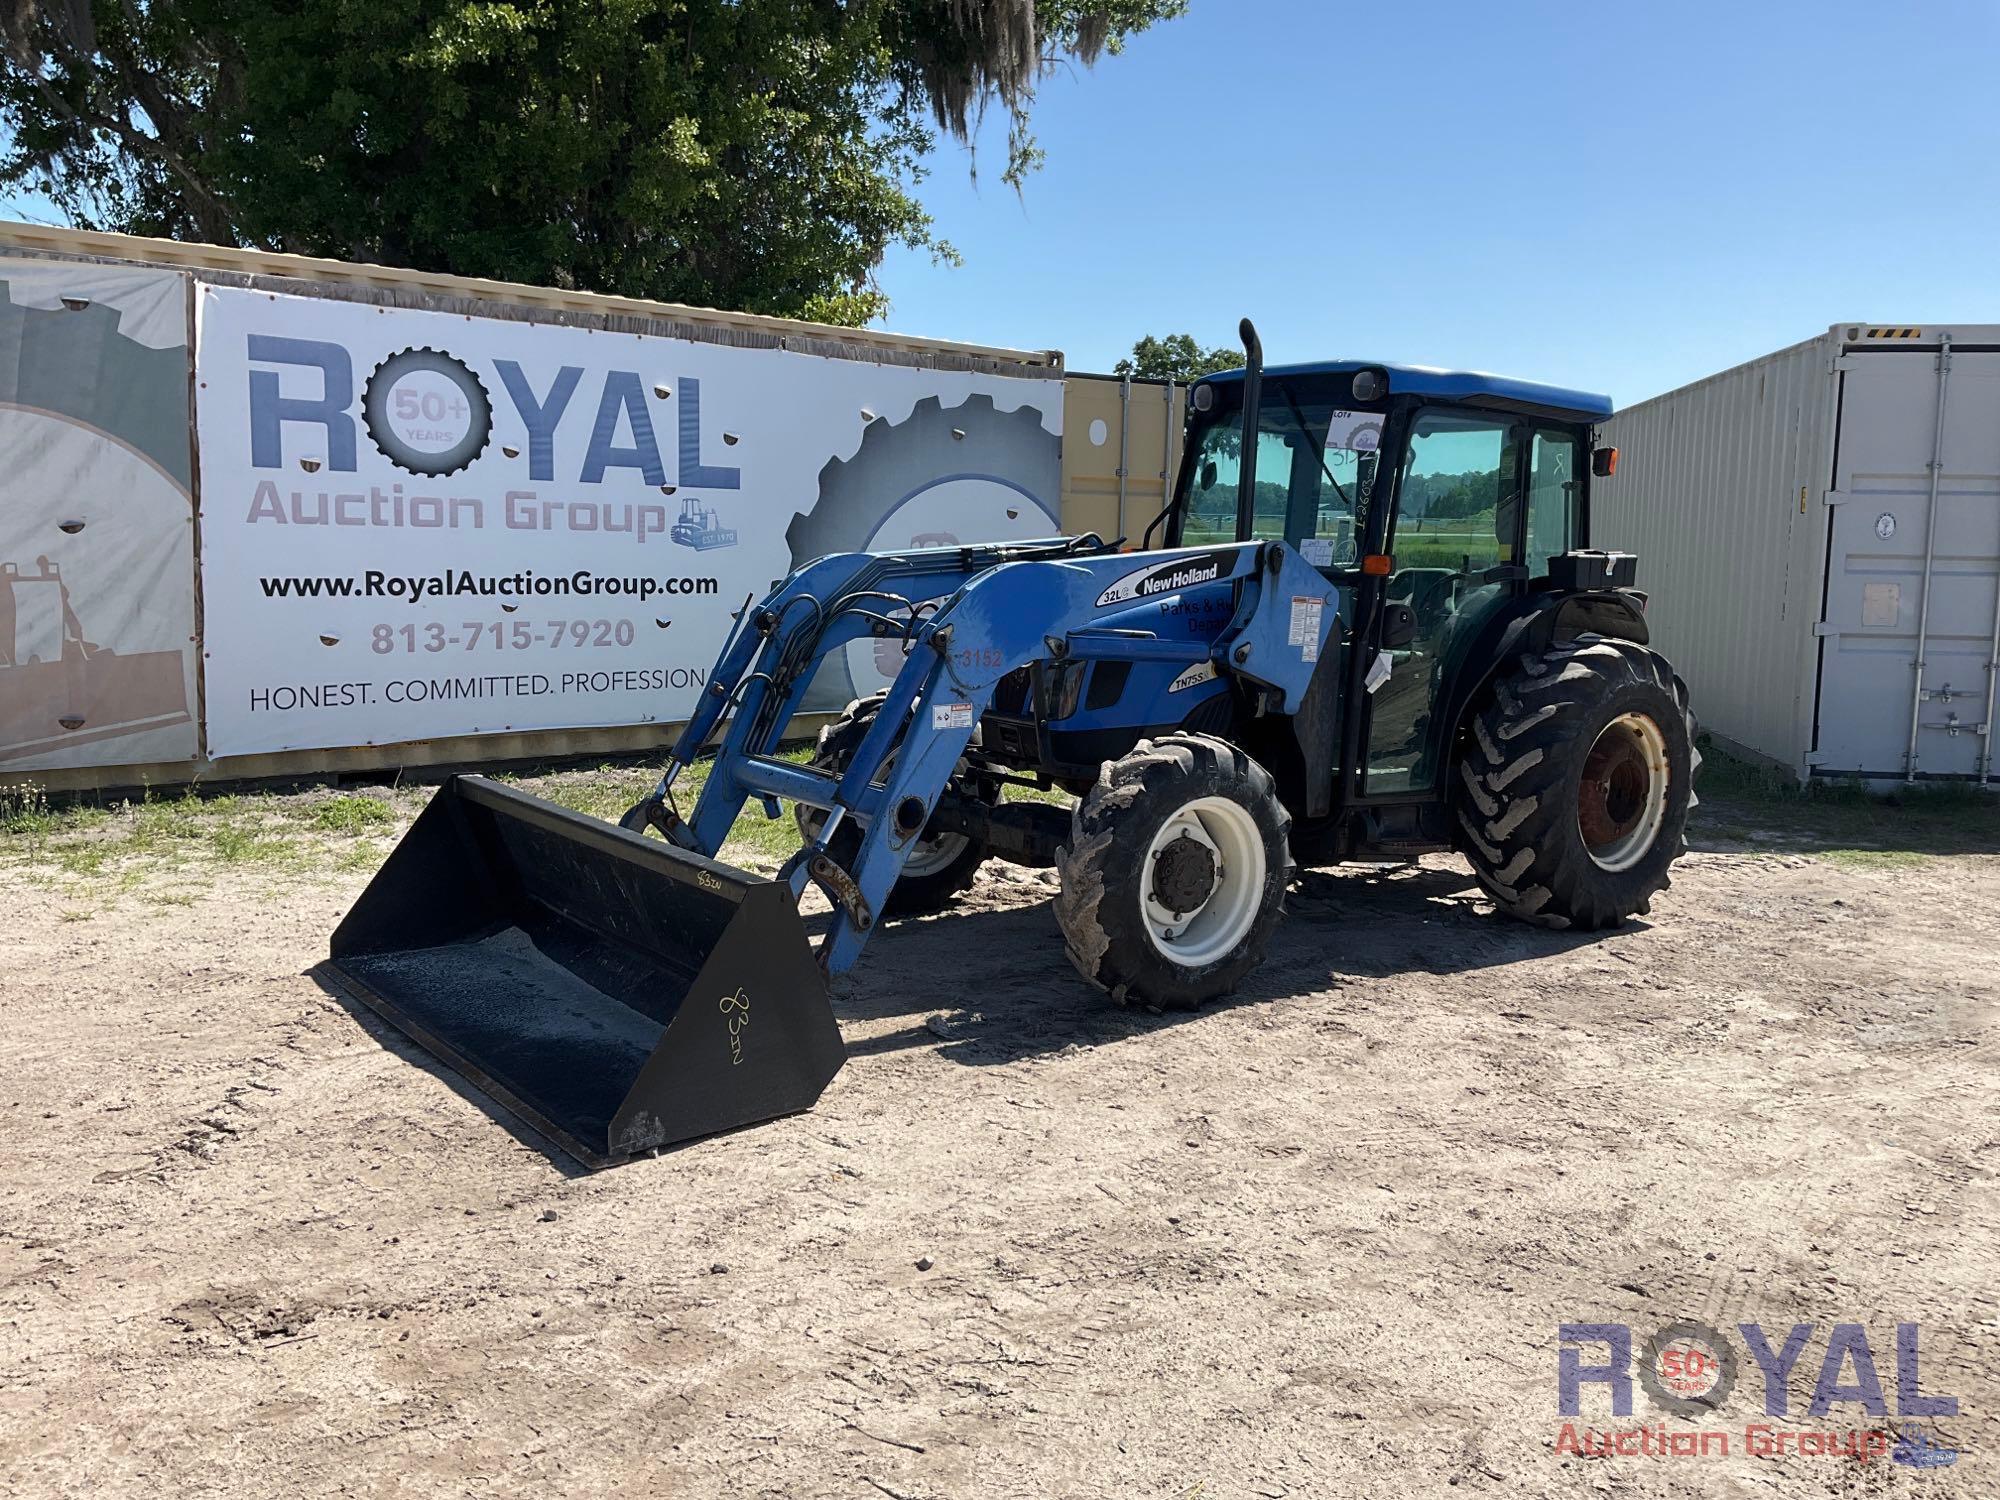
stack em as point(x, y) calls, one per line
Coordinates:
point(419, 524)
point(96, 524)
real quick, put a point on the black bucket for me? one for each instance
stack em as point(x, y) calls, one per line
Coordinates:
point(617, 992)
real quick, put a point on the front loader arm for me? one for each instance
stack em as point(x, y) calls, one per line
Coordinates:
point(1007, 607)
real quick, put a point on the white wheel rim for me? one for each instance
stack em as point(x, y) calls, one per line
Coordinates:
point(1622, 799)
point(928, 856)
point(1211, 931)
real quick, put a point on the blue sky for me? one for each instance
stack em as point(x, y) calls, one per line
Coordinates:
point(1617, 197)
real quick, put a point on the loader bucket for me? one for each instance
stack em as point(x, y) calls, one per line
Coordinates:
point(615, 991)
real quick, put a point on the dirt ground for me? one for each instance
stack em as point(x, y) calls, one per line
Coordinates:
point(1315, 1242)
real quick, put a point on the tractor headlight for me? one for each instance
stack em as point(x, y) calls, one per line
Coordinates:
point(1062, 687)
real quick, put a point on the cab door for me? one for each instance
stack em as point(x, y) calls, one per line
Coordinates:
point(1456, 538)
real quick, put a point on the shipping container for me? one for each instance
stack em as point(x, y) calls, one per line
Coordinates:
point(1819, 534)
point(1121, 450)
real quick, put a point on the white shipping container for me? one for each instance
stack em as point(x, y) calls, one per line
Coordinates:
point(1819, 531)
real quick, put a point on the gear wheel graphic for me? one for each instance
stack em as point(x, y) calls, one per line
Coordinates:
point(381, 421)
point(899, 462)
point(1366, 437)
point(1688, 1331)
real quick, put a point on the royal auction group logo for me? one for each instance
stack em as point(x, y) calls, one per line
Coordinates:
point(1689, 1370)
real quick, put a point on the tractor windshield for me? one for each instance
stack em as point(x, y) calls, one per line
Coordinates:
point(1315, 468)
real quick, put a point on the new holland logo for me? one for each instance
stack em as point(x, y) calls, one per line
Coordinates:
point(1169, 577)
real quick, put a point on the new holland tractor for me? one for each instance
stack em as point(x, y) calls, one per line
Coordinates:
point(1367, 624)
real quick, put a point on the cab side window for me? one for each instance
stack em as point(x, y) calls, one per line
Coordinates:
point(1456, 508)
point(1552, 499)
point(1457, 516)
point(1211, 501)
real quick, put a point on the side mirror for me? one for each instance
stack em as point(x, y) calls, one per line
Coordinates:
point(1399, 626)
point(1604, 462)
point(1208, 475)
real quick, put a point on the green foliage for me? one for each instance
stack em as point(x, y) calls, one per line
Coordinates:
point(754, 154)
point(1176, 357)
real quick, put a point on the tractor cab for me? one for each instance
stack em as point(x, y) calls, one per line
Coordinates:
point(1438, 502)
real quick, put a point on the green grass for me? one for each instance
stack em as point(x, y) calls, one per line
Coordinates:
point(1846, 823)
point(98, 853)
point(166, 850)
point(351, 814)
point(756, 842)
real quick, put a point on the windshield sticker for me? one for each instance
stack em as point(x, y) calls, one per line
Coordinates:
point(1355, 431)
point(1317, 550)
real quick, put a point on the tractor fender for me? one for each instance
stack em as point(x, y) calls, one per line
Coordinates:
point(1533, 625)
point(1613, 612)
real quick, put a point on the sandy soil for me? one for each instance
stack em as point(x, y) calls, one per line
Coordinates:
point(1315, 1242)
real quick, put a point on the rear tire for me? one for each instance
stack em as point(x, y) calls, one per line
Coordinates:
point(939, 868)
point(1571, 802)
point(1175, 872)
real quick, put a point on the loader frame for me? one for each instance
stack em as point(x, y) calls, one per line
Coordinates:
point(1005, 606)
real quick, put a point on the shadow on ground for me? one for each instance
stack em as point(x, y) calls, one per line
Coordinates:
point(993, 986)
point(1338, 928)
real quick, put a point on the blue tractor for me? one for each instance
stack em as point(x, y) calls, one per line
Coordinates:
point(1367, 623)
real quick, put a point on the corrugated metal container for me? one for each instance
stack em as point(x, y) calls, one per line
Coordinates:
point(395, 286)
point(1819, 531)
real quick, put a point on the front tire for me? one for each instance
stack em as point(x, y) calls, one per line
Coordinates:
point(1572, 799)
point(1175, 872)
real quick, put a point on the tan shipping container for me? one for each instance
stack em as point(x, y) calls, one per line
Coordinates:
point(1121, 451)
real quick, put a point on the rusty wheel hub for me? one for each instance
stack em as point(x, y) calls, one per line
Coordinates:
point(1621, 801)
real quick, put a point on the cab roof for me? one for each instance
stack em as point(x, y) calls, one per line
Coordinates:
point(1472, 386)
